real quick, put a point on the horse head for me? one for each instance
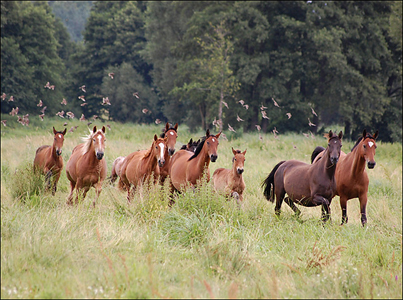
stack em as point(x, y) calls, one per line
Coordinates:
point(159, 149)
point(98, 140)
point(238, 160)
point(212, 144)
point(58, 140)
point(171, 133)
point(334, 146)
point(367, 150)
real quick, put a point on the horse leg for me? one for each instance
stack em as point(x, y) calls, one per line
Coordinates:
point(98, 190)
point(320, 200)
point(363, 205)
point(70, 197)
point(56, 180)
point(279, 201)
point(292, 205)
point(48, 177)
point(343, 205)
point(236, 197)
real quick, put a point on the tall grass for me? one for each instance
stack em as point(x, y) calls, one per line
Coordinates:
point(204, 246)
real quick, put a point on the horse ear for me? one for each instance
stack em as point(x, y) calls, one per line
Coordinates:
point(376, 135)
point(167, 126)
point(340, 135)
point(364, 133)
point(65, 130)
point(176, 126)
point(244, 152)
point(207, 132)
point(330, 134)
point(54, 130)
point(103, 129)
point(95, 129)
point(218, 135)
point(155, 137)
point(233, 151)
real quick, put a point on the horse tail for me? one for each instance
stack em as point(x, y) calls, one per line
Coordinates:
point(269, 182)
point(315, 152)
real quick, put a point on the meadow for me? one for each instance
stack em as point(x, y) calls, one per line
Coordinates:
point(203, 246)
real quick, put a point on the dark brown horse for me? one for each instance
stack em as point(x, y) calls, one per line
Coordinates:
point(351, 177)
point(191, 146)
point(86, 166)
point(171, 133)
point(138, 166)
point(49, 160)
point(230, 181)
point(306, 184)
point(187, 167)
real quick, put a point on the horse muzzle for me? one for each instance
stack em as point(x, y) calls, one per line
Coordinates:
point(59, 152)
point(371, 164)
point(239, 170)
point(213, 157)
point(171, 152)
point(334, 160)
point(161, 163)
point(100, 155)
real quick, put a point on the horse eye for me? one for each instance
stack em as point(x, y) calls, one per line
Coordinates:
point(93, 140)
point(365, 146)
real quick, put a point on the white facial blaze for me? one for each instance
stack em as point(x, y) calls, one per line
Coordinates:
point(213, 140)
point(370, 144)
point(162, 149)
point(171, 133)
point(60, 136)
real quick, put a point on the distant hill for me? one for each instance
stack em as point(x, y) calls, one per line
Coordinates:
point(73, 14)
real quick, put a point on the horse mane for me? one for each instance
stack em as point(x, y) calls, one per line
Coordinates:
point(369, 136)
point(199, 147)
point(149, 151)
point(88, 141)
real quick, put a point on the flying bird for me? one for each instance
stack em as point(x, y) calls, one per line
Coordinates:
point(258, 127)
point(81, 97)
point(225, 103)
point(109, 126)
point(263, 107)
point(310, 123)
point(73, 128)
point(288, 115)
point(157, 121)
point(238, 118)
point(136, 94)
point(246, 106)
point(275, 103)
point(82, 88)
point(40, 103)
point(43, 109)
point(60, 114)
point(242, 102)
point(106, 101)
point(14, 111)
point(264, 114)
point(89, 123)
point(70, 115)
point(82, 117)
point(64, 102)
point(4, 122)
point(65, 124)
point(275, 130)
point(230, 128)
point(41, 116)
point(111, 75)
point(313, 111)
point(3, 96)
point(83, 104)
point(11, 99)
point(145, 110)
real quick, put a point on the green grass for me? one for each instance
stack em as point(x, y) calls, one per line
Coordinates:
point(202, 247)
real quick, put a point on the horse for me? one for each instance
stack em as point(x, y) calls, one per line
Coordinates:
point(138, 166)
point(172, 134)
point(351, 177)
point(230, 181)
point(116, 170)
point(306, 184)
point(191, 146)
point(187, 167)
point(49, 160)
point(86, 166)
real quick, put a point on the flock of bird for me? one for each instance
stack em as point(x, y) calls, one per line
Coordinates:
point(24, 120)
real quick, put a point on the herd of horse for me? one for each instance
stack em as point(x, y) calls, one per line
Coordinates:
point(331, 171)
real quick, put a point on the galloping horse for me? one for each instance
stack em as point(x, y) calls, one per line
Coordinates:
point(351, 177)
point(230, 181)
point(171, 134)
point(187, 167)
point(138, 166)
point(49, 160)
point(305, 184)
point(86, 166)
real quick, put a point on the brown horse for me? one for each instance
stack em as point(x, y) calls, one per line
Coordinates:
point(351, 177)
point(191, 146)
point(49, 160)
point(187, 167)
point(306, 184)
point(171, 133)
point(116, 170)
point(86, 166)
point(230, 181)
point(138, 166)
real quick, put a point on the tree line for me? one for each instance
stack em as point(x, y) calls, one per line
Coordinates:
point(239, 65)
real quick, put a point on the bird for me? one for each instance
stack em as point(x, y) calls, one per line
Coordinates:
point(258, 127)
point(105, 101)
point(3, 96)
point(81, 97)
point(47, 85)
point(11, 99)
point(246, 106)
point(65, 124)
point(136, 94)
point(157, 121)
point(306, 135)
point(275, 103)
point(82, 117)
point(313, 111)
point(64, 102)
point(145, 110)
point(94, 117)
point(263, 107)
point(82, 88)
point(225, 104)
point(230, 128)
point(223, 136)
point(14, 111)
point(4, 122)
point(238, 118)
point(70, 115)
point(264, 114)
point(43, 109)
point(275, 130)
point(40, 103)
point(310, 123)
point(288, 115)
point(83, 104)
point(111, 75)
point(109, 126)
point(60, 114)
point(89, 123)
point(52, 87)
point(73, 128)
point(41, 116)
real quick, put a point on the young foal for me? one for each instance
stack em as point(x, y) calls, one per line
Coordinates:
point(49, 160)
point(138, 166)
point(351, 177)
point(86, 166)
point(306, 184)
point(187, 167)
point(230, 181)
point(171, 133)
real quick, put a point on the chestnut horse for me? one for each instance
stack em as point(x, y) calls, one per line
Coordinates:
point(187, 167)
point(230, 181)
point(171, 133)
point(86, 166)
point(306, 184)
point(138, 166)
point(49, 160)
point(116, 170)
point(351, 177)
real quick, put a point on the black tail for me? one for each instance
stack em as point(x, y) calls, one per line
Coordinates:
point(315, 152)
point(269, 182)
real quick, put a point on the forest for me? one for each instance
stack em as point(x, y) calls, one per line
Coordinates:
point(292, 66)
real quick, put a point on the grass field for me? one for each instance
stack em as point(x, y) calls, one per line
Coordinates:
point(202, 247)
